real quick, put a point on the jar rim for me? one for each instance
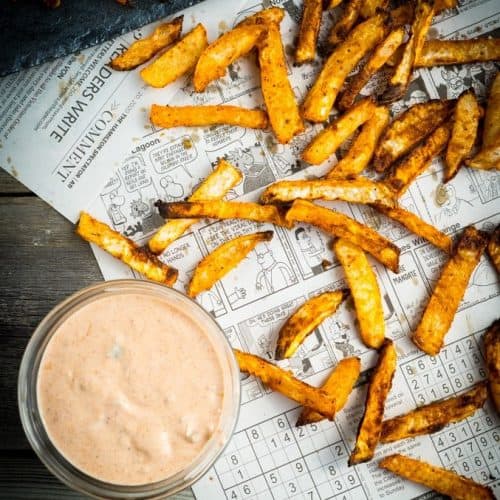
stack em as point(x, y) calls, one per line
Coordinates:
point(55, 461)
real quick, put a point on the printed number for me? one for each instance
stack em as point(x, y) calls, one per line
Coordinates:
point(415, 385)
point(421, 364)
point(246, 489)
point(234, 460)
point(292, 487)
point(351, 479)
point(338, 450)
point(338, 485)
point(458, 383)
point(273, 478)
point(331, 470)
point(255, 434)
point(233, 494)
point(301, 432)
point(281, 423)
point(299, 467)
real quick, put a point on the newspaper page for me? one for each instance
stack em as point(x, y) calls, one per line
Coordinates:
point(268, 457)
point(63, 124)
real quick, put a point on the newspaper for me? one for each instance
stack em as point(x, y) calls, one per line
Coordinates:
point(268, 457)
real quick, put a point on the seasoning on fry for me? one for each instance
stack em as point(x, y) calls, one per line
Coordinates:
point(356, 190)
point(408, 129)
point(217, 184)
point(439, 479)
point(449, 291)
point(330, 138)
point(177, 60)
point(143, 50)
point(339, 385)
point(340, 225)
point(309, 30)
point(139, 259)
point(492, 352)
point(370, 7)
point(223, 259)
point(463, 133)
point(284, 382)
point(418, 160)
point(345, 23)
point(204, 116)
point(273, 15)
point(305, 319)
point(434, 416)
point(365, 292)
point(380, 384)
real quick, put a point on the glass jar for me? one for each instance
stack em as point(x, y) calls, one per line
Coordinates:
point(33, 424)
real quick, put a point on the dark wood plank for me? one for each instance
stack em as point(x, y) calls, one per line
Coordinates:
point(10, 185)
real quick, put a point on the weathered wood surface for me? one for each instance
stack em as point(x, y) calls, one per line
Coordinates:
point(41, 262)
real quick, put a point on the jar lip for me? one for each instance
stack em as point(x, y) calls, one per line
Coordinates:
point(54, 460)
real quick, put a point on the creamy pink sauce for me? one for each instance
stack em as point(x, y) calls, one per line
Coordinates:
point(130, 389)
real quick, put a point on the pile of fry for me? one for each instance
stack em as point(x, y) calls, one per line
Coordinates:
point(399, 151)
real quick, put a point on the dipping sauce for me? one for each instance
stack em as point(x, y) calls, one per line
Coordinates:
point(130, 389)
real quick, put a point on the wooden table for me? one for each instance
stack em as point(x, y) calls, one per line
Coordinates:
point(41, 261)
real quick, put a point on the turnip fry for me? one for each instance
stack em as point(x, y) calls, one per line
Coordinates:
point(434, 416)
point(143, 50)
point(377, 59)
point(370, 7)
point(139, 259)
point(357, 190)
point(278, 94)
point(339, 385)
point(321, 97)
point(449, 291)
point(309, 30)
point(409, 129)
point(273, 15)
point(418, 226)
point(463, 134)
point(204, 116)
point(218, 209)
point(402, 74)
point(363, 147)
point(216, 185)
point(487, 159)
point(331, 4)
point(177, 60)
point(342, 226)
point(285, 383)
point(230, 46)
point(324, 145)
point(345, 23)
point(365, 292)
point(439, 479)
point(380, 384)
point(223, 259)
point(419, 159)
point(494, 248)
point(443, 52)
point(305, 319)
point(492, 351)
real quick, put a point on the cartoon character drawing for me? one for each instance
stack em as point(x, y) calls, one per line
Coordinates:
point(113, 208)
point(211, 302)
point(416, 95)
point(447, 199)
point(311, 250)
point(342, 343)
point(145, 212)
point(273, 275)
point(173, 190)
point(236, 295)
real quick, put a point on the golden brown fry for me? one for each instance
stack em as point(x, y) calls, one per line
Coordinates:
point(487, 159)
point(440, 5)
point(370, 426)
point(230, 46)
point(463, 134)
point(331, 4)
point(305, 319)
point(204, 116)
point(361, 151)
point(278, 94)
point(143, 50)
point(443, 52)
point(339, 385)
point(409, 129)
point(402, 74)
point(403, 15)
point(433, 417)
point(494, 248)
point(330, 138)
point(365, 292)
point(273, 15)
point(285, 383)
point(492, 352)
point(342, 226)
point(419, 159)
point(177, 60)
point(223, 259)
point(369, 7)
point(358, 190)
point(449, 291)
point(345, 23)
point(441, 480)
point(418, 226)
point(309, 30)
point(139, 259)
point(377, 59)
point(218, 209)
point(321, 97)
point(216, 185)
